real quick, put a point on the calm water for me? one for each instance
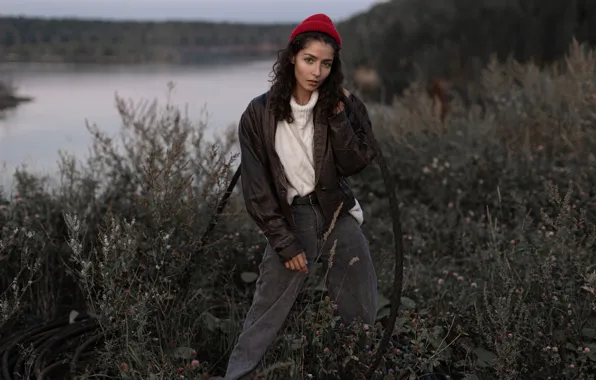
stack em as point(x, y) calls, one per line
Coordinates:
point(66, 96)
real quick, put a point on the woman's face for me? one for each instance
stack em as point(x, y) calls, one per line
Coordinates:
point(312, 65)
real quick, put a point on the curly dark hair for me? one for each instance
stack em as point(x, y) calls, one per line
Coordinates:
point(284, 81)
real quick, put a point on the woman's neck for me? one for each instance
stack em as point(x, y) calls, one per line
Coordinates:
point(302, 96)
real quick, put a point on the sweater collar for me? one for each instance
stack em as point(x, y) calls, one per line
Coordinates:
point(304, 111)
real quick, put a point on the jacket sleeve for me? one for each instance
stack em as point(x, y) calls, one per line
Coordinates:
point(352, 139)
point(259, 195)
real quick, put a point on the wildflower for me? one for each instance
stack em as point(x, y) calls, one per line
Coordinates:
point(474, 285)
point(571, 366)
point(450, 205)
point(440, 281)
point(326, 350)
point(587, 350)
point(510, 335)
point(540, 148)
point(194, 363)
point(124, 367)
point(460, 278)
point(468, 219)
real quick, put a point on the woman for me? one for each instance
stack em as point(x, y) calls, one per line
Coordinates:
point(298, 145)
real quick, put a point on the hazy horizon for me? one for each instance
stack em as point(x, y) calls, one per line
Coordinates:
point(251, 11)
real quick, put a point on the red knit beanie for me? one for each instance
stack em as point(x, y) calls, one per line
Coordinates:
point(317, 23)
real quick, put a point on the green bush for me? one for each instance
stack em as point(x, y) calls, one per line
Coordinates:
point(498, 215)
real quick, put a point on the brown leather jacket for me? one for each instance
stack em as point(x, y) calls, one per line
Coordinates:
point(343, 146)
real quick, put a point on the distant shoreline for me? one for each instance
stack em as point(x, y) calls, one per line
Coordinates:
point(12, 101)
point(216, 59)
point(201, 58)
point(108, 42)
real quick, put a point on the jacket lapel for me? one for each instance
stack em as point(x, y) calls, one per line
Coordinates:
point(319, 142)
point(270, 126)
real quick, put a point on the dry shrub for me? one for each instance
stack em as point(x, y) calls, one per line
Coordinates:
point(498, 220)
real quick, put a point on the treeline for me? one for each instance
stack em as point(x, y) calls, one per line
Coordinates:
point(455, 39)
point(73, 40)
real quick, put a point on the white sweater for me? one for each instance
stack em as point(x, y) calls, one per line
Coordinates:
point(294, 145)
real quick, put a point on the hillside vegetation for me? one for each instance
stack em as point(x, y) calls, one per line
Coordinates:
point(406, 40)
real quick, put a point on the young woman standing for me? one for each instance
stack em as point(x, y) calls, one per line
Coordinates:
point(298, 144)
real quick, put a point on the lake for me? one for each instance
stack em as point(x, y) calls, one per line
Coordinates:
point(68, 95)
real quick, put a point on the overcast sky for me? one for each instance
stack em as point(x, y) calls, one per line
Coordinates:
point(216, 10)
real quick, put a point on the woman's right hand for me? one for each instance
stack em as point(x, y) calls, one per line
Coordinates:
point(298, 263)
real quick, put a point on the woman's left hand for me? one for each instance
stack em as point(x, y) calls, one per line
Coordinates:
point(340, 105)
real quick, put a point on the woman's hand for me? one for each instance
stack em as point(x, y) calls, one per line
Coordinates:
point(340, 105)
point(298, 263)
